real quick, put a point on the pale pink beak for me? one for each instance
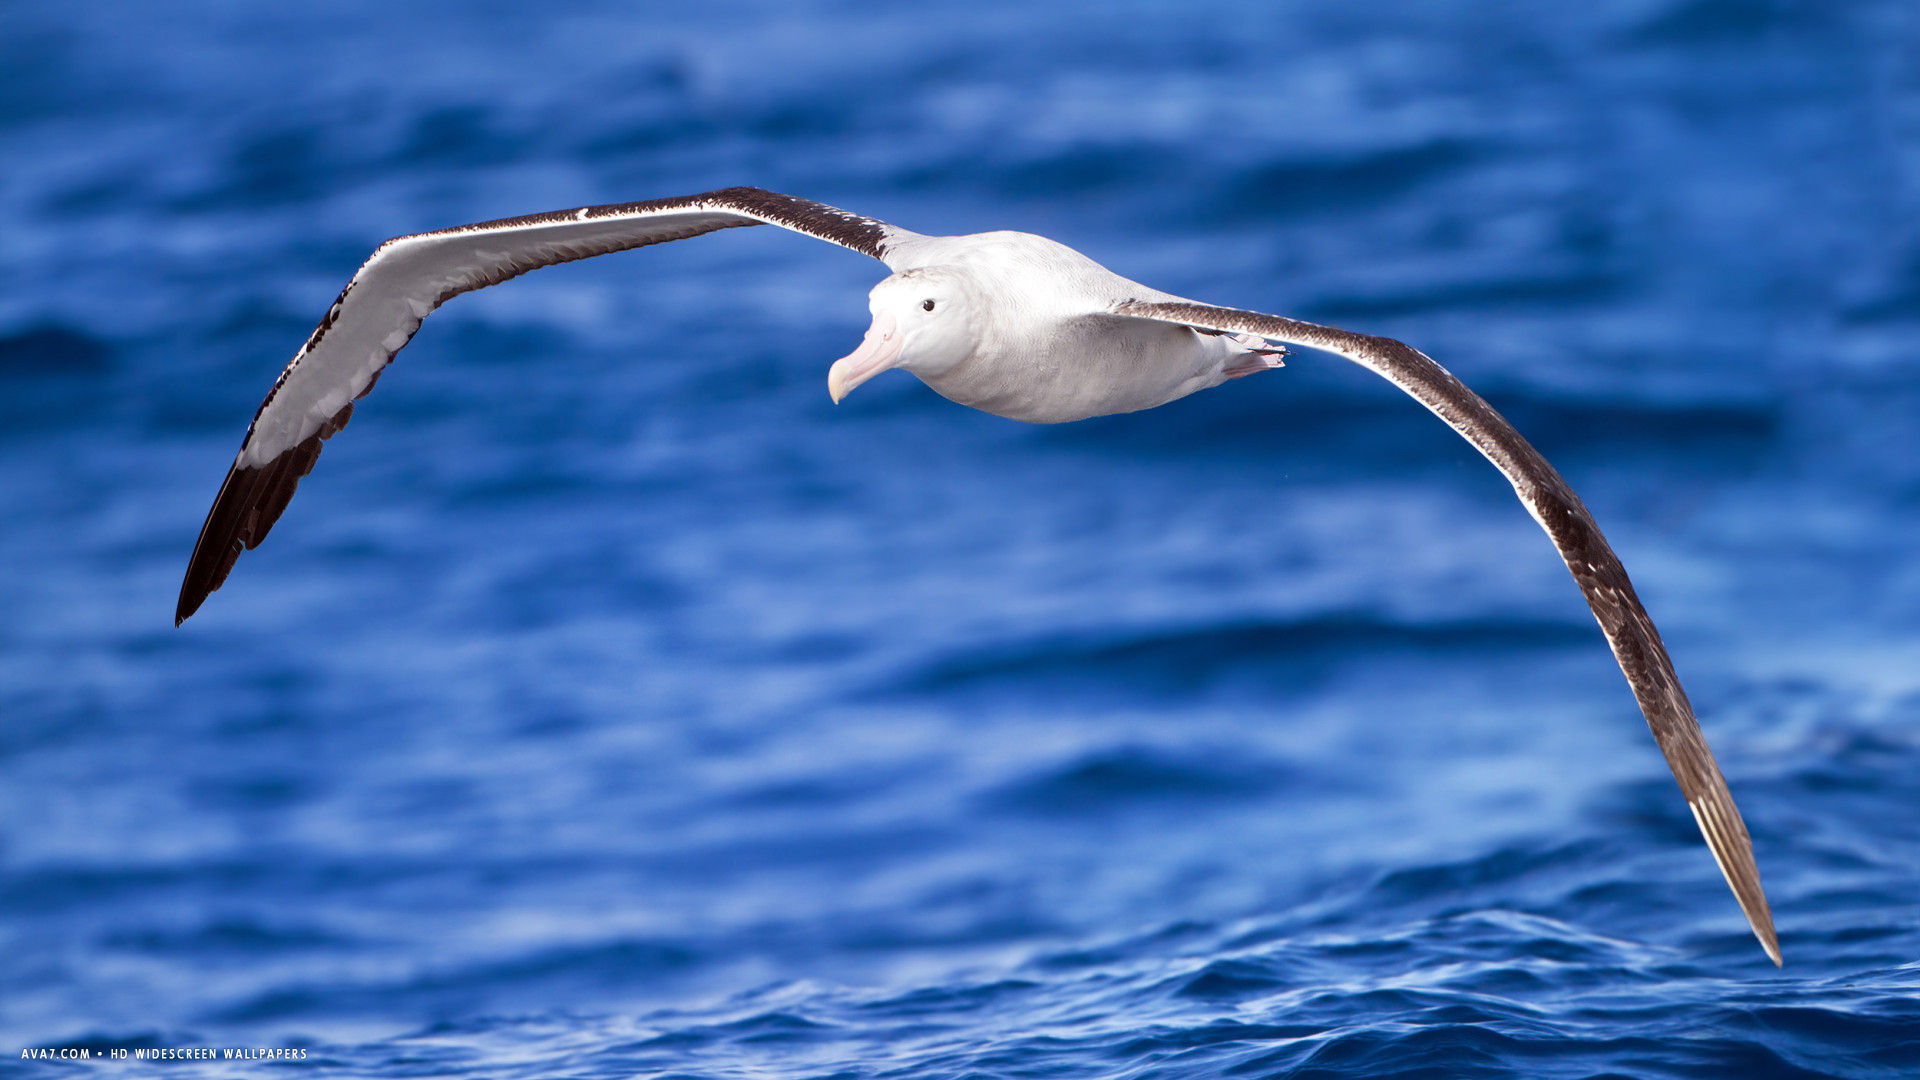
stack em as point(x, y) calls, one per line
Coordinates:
point(875, 355)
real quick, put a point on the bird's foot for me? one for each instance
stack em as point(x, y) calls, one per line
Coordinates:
point(1260, 357)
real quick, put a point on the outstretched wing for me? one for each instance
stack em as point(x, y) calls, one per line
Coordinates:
point(405, 279)
point(1636, 644)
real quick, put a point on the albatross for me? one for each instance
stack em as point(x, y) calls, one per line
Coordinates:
point(1007, 322)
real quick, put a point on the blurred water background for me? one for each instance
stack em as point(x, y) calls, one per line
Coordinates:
point(609, 703)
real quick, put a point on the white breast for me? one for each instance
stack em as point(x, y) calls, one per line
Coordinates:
point(1084, 366)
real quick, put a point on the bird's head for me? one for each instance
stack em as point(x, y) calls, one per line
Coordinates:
point(921, 323)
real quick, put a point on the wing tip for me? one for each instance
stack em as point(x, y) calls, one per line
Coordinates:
point(251, 499)
point(1762, 924)
point(1732, 849)
point(203, 580)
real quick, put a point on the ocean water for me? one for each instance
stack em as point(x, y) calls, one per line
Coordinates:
point(611, 704)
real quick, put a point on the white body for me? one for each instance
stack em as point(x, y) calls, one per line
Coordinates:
point(1052, 350)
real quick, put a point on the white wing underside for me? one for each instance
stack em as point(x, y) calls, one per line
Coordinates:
point(408, 277)
point(405, 280)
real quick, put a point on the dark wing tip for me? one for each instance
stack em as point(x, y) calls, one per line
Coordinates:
point(250, 501)
point(1732, 848)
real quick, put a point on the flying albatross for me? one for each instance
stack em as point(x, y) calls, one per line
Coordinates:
point(1007, 322)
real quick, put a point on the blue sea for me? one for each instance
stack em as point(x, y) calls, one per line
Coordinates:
point(610, 704)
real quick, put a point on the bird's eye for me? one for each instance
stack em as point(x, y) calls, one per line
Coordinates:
point(926, 305)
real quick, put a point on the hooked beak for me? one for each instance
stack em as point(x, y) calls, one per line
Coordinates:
point(875, 355)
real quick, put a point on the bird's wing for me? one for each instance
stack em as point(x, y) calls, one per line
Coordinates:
point(1635, 641)
point(405, 279)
